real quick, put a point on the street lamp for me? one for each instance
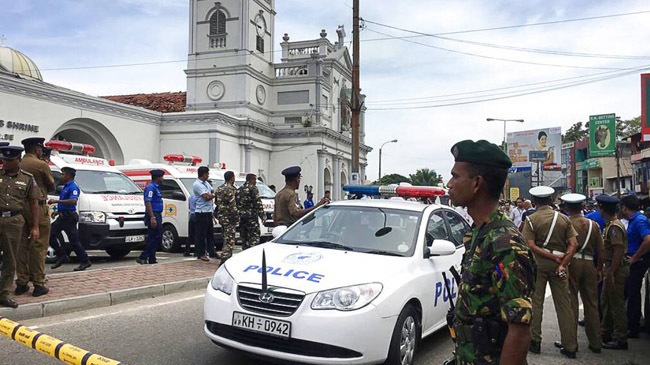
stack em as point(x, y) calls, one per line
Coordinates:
point(504, 126)
point(382, 146)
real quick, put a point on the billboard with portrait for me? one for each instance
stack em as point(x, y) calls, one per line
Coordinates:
point(548, 140)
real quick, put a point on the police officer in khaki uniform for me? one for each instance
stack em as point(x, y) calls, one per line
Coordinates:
point(583, 274)
point(17, 192)
point(552, 239)
point(287, 208)
point(30, 256)
point(614, 323)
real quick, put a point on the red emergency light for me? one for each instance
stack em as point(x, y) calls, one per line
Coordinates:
point(182, 158)
point(391, 190)
point(70, 147)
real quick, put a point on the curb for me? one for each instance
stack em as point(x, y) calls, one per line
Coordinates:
point(99, 300)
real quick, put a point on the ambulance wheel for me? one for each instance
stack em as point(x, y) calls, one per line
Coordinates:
point(170, 241)
point(405, 339)
point(117, 253)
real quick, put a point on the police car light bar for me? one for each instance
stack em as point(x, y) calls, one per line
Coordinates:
point(70, 147)
point(183, 158)
point(401, 191)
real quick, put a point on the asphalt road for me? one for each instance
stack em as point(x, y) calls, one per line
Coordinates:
point(169, 330)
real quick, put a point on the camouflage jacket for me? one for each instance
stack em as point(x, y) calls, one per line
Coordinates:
point(226, 203)
point(497, 281)
point(249, 202)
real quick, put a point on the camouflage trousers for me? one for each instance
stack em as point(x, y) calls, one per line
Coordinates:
point(228, 234)
point(249, 231)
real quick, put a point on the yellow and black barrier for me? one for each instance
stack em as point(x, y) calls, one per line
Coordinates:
point(51, 346)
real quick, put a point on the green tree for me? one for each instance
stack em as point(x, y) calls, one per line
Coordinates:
point(425, 177)
point(626, 128)
point(577, 132)
point(392, 179)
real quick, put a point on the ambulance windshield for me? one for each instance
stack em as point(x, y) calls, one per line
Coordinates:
point(105, 182)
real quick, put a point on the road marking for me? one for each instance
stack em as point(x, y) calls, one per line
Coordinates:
point(122, 311)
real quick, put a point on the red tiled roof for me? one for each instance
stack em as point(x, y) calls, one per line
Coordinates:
point(160, 102)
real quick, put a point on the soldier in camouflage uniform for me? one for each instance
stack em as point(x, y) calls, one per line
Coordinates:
point(494, 308)
point(250, 212)
point(227, 213)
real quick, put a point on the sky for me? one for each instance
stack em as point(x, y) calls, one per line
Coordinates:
point(77, 34)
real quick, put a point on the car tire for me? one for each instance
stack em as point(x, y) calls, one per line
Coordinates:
point(117, 253)
point(170, 240)
point(406, 335)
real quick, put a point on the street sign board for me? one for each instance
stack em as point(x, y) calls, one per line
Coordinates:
point(537, 156)
point(602, 135)
point(645, 107)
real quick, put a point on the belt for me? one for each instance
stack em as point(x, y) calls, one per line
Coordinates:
point(582, 256)
point(8, 213)
point(554, 252)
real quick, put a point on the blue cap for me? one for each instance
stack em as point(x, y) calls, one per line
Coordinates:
point(606, 199)
point(10, 152)
point(33, 140)
point(157, 173)
point(291, 172)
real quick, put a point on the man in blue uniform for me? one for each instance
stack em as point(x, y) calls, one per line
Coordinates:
point(67, 221)
point(153, 218)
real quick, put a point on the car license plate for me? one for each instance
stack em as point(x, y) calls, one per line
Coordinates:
point(139, 238)
point(261, 324)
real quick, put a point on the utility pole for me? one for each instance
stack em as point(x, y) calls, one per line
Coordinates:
point(618, 171)
point(356, 88)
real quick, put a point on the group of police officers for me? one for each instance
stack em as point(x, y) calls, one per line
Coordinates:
point(505, 271)
point(25, 229)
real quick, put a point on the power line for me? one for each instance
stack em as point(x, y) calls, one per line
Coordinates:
point(496, 58)
point(535, 24)
point(552, 88)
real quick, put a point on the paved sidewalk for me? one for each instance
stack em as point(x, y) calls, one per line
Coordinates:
point(75, 291)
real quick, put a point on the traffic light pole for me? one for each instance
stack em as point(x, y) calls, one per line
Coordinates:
point(356, 92)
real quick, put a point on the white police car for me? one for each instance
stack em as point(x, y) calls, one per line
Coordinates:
point(354, 282)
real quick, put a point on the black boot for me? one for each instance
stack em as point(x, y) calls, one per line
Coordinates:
point(40, 290)
point(6, 302)
point(535, 347)
point(83, 266)
point(567, 353)
point(581, 322)
point(615, 345)
point(558, 344)
point(21, 289)
point(60, 260)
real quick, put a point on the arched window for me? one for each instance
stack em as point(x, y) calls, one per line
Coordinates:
point(218, 23)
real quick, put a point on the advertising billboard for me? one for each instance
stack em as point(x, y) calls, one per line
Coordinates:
point(602, 135)
point(548, 140)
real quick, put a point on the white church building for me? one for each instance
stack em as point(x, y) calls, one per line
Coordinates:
point(241, 108)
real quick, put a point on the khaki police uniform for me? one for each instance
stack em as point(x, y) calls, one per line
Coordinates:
point(16, 193)
point(286, 204)
point(30, 256)
point(583, 277)
point(614, 324)
point(537, 228)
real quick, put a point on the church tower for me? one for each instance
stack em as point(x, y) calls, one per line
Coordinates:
point(231, 53)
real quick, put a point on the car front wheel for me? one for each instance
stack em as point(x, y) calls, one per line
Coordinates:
point(405, 338)
point(170, 240)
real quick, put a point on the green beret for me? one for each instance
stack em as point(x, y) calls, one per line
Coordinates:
point(481, 152)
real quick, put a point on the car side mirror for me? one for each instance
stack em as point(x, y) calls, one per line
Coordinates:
point(278, 231)
point(440, 248)
point(178, 195)
point(59, 188)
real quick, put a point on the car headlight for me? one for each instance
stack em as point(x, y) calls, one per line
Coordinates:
point(92, 217)
point(222, 281)
point(348, 298)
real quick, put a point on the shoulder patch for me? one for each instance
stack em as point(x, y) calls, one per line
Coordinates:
point(26, 173)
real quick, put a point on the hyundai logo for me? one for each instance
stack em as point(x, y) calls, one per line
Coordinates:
point(131, 210)
point(266, 298)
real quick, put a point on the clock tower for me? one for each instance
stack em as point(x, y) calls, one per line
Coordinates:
point(230, 61)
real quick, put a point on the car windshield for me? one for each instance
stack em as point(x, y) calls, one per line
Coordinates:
point(265, 191)
point(189, 183)
point(373, 230)
point(105, 182)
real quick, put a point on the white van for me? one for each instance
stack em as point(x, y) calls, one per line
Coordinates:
point(110, 206)
point(180, 173)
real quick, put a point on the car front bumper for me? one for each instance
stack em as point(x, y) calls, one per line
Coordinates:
point(317, 336)
point(100, 236)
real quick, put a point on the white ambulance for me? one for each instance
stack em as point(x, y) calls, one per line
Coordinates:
point(110, 206)
point(180, 173)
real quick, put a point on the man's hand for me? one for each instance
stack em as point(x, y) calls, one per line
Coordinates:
point(154, 223)
point(34, 234)
point(632, 259)
point(52, 201)
point(323, 202)
point(558, 260)
point(561, 271)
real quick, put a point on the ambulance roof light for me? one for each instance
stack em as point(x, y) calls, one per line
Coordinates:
point(183, 158)
point(71, 147)
point(393, 190)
